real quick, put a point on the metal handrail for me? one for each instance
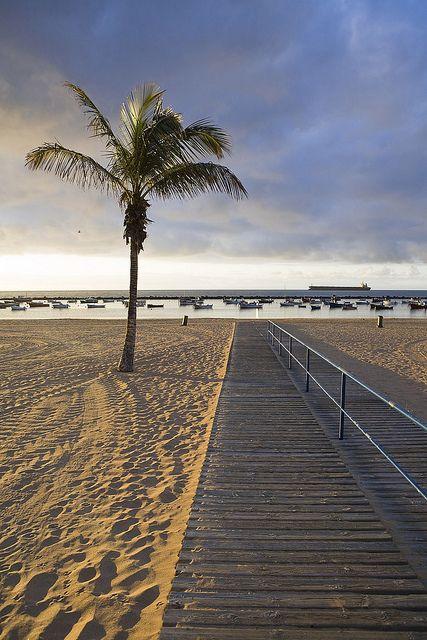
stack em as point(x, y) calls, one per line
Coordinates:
point(272, 328)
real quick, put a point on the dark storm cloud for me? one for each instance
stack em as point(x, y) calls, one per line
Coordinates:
point(326, 102)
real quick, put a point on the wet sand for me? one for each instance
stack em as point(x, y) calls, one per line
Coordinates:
point(98, 471)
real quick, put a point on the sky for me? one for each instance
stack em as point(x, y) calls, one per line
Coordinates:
point(326, 104)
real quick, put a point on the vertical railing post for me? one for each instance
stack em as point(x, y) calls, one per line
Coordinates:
point(342, 406)
point(307, 367)
point(290, 353)
point(280, 341)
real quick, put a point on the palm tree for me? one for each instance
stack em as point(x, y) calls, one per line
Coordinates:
point(153, 156)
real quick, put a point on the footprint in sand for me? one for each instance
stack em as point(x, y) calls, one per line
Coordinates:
point(86, 574)
point(130, 503)
point(5, 611)
point(135, 532)
point(36, 590)
point(107, 573)
point(159, 526)
point(130, 580)
point(8, 542)
point(147, 597)
point(123, 525)
point(47, 542)
point(12, 579)
point(143, 556)
point(60, 626)
point(167, 496)
point(92, 631)
point(129, 619)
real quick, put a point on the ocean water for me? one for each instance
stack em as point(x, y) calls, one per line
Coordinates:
point(116, 310)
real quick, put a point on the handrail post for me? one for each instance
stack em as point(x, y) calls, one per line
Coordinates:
point(307, 369)
point(342, 406)
point(290, 353)
point(280, 341)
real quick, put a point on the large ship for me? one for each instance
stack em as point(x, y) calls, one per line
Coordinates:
point(361, 287)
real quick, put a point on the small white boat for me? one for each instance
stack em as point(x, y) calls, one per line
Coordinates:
point(17, 307)
point(95, 305)
point(60, 305)
point(348, 306)
point(249, 305)
point(231, 300)
point(315, 307)
point(139, 303)
point(287, 304)
point(202, 305)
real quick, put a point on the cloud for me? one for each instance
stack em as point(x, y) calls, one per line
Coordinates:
point(326, 103)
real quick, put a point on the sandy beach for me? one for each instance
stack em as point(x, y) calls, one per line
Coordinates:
point(99, 468)
point(99, 471)
point(400, 346)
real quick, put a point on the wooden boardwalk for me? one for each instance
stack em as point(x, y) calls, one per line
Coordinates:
point(282, 541)
point(393, 498)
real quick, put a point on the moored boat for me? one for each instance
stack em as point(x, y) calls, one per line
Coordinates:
point(382, 307)
point(416, 306)
point(155, 306)
point(202, 305)
point(95, 305)
point(243, 304)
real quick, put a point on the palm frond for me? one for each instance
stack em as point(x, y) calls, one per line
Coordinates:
point(192, 179)
point(98, 123)
point(163, 147)
point(138, 109)
point(74, 167)
point(203, 138)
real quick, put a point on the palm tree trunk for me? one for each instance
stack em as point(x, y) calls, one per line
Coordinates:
point(126, 361)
